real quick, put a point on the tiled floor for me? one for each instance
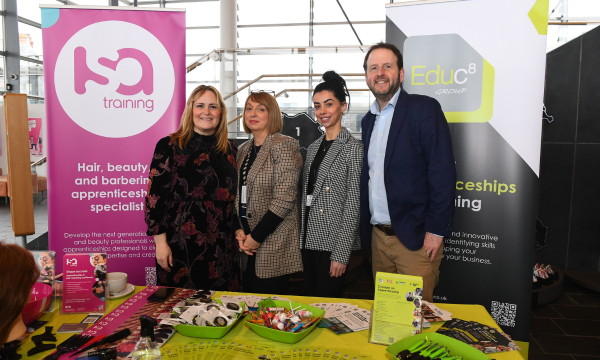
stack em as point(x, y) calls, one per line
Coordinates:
point(567, 329)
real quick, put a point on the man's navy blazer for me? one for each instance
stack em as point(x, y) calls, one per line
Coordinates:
point(419, 171)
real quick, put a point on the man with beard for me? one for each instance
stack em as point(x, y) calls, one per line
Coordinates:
point(408, 177)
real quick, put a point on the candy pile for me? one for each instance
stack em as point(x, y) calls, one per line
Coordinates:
point(202, 311)
point(280, 318)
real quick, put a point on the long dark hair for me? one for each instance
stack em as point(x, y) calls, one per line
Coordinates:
point(333, 82)
point(18, 274)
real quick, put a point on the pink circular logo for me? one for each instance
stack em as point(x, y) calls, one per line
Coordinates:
point(114, 79)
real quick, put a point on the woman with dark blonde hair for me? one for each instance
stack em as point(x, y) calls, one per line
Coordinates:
point(189, 205)
point(18, 274)
point(269, 166)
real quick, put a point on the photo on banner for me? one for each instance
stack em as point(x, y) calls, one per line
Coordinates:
point(110, 98)
point(489, 80)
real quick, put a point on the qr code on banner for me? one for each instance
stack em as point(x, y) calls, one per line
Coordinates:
point(504, 313)
point(150, 276)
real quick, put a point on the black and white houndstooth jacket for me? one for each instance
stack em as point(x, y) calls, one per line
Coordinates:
point(333, 221)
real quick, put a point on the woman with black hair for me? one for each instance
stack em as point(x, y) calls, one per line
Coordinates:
point(330, 193)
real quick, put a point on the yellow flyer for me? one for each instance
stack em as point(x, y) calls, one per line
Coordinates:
point(397, 308)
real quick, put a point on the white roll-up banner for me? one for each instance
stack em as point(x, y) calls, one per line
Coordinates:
point(484, 61)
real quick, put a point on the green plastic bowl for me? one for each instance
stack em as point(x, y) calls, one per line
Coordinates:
point(207, 332)
point(456, 347)
point(284, 336)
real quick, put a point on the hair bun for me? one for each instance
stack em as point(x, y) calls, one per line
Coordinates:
point(332, 81)
point(332, 76)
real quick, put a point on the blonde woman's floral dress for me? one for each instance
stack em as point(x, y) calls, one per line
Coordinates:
point(190, 198)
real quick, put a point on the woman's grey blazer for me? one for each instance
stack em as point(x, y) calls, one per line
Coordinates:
point(333, 224)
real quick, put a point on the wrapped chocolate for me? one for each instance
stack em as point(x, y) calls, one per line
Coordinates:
point(214, 317)
point(191, 313)
point(233, 306)
point(198, 321)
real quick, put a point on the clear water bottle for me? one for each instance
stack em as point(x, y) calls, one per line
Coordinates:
point(146, 348)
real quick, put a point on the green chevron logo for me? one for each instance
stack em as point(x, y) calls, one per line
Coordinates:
point(447, 68)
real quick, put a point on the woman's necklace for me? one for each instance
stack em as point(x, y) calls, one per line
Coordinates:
point(325, 148)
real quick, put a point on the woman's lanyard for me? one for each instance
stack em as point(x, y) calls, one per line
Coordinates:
point(245, 170)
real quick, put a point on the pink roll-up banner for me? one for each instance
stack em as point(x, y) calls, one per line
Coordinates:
point(115, 85)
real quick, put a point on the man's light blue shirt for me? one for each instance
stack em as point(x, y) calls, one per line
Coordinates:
point(378, 204)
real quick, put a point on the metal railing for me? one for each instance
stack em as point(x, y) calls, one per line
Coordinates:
point(35, 97)
point(285, 90)
point(39, 162)
point(280, 76)
point(30, 59)
point(282, 92)
point(215, 54)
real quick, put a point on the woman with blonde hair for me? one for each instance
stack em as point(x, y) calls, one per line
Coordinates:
point(189, 205)
point(269, 166)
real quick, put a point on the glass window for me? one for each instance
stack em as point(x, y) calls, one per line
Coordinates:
point(30, 9)
point(2, 72)
point(331, 35)
point(93, 2)
point(284, 36)
point(32, 78)
point(357, 10)
point(328, 10)
point(327, 35)
point(272, 12)
point(205, 74)
point(199, 14)
point(141, 4)
point(30, 41)
point(2, 33)
point(561, 34)
point(370, 33)
point(252, 66)
point(199, 42)
point(346, 63)
point(576, 8)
